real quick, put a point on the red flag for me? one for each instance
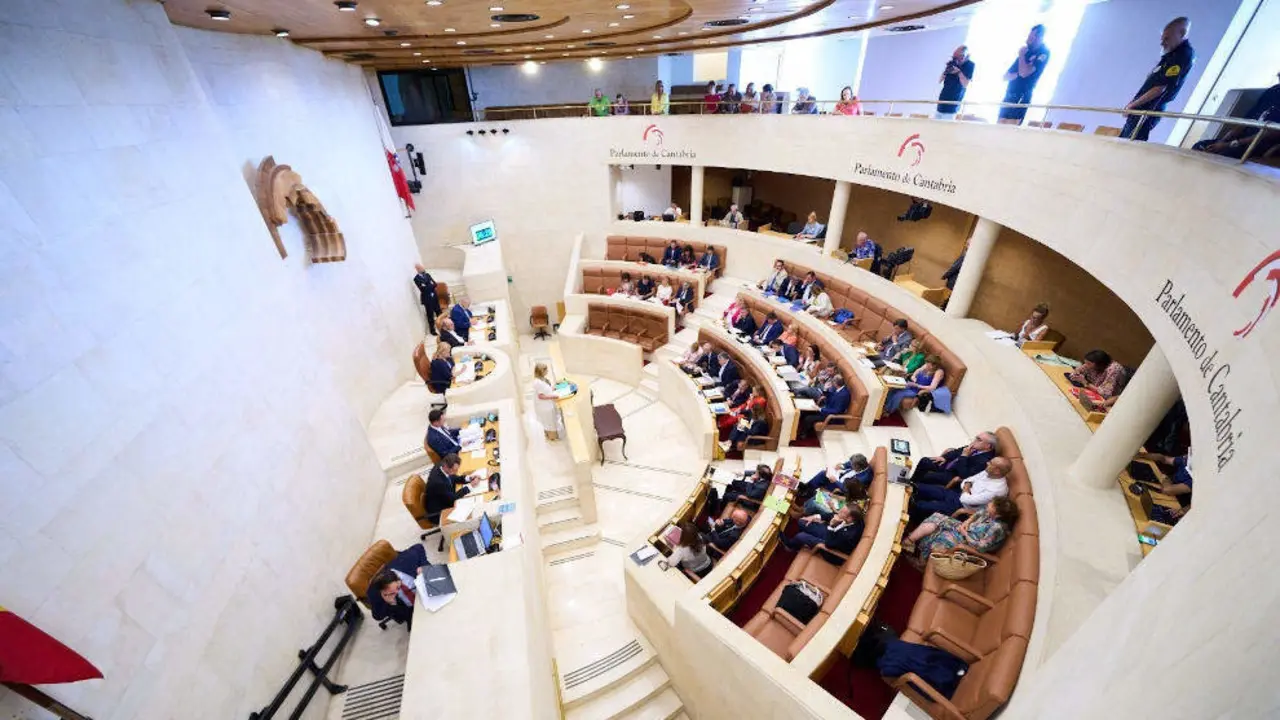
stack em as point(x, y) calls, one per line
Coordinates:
point(397, 177)
point(29, 656)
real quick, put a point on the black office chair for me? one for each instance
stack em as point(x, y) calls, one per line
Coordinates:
point(891, 262)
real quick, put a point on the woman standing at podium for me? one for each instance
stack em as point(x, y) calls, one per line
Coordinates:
point(544, 402)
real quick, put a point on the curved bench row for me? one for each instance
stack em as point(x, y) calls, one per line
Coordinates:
point(645, 328)
point(620, 247)
point(873, 320)
point(750, 370)
point(728, 587)
point(986, 619)
point(605, 279)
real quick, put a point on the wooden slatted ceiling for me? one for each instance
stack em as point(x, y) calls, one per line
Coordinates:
point(450, 34)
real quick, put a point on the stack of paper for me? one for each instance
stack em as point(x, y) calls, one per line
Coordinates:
point(722, 477)
point(713, 393)
point(893, 381)
point(435, 587)
point(719, 408)
point(805, 404)
point(461, 511)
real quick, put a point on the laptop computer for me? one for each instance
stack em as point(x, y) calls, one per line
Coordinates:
point(477, 542)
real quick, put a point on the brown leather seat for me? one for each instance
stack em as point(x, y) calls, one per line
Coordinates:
point(777, 628)
point(540, 321)
point(633, 325)
point(603, 281)
point(422, 363)
point(413, 495)
point(618, 247)
point(369, 564)
point(985, 619)
point(442, 295)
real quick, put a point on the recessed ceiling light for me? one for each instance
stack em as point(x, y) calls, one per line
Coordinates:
point(564, 54)
point(613, 24)
point(623, 7)
point(450, 30)
point(462, 42)
point(417, 54)
point(657, 37)
point(628, 17)
point(424, 62)
point(585, 30)
point(372, 21)
point(756, 9)
point(507, 50)
point(345, 6)
point(539, 48)
point(682, 33)
point(281, 32)
point(570, 46)
point(496, 8)
point(886, 7)
point(222, 15)
point(549, 37)
point(404, 44)
point(494, 25)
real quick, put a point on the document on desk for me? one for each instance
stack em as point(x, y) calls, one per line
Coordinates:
point(867, 364)
point(790, 374)
point(777, 503)
point(462, 510)
point(719, 408)
point(644, 555)
point(805, 404)
point(722, 477)
point(713, 393)
point(894, 381)
point(478, 454)
point(435, 587)
point(705, 381)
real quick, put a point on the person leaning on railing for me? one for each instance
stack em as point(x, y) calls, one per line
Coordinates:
point(599, 104)
point(750, 99)
point(620, 106)
point(659, 102)
point(848, 104)
point(711, 101)
point(1235, 141)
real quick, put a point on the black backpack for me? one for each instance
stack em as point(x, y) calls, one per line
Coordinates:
point(799, 603)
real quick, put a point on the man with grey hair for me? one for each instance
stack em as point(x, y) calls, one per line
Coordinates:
point(956, 464)
point(1163, 82)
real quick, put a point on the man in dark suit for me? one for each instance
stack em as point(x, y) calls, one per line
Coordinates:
point(841, 533)
point(835, 402)
point(709, 261)
point(441, 439)
point(746, 324)
point(461, 316)
point(710, 362)
point(789, 353)
point(727, 371)
point(684, 298)
point(753, 484)
point(956, 463)
point(441, 483)
point(768, 332)
point(427, 296)
point(391, 593)
point(808, 287)
point(724, 533)
point(671, 256)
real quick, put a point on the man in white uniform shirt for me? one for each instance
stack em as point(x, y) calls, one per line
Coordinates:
point(973, 492)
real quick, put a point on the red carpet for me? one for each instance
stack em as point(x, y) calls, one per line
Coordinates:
point(893, 419)
point(861, 689)
point(770, 575)
point(806, 442)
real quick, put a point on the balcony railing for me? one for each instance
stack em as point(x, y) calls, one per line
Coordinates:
point(1262, 146)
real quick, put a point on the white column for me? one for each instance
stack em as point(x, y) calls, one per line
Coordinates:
point(1140, 408)
point(975, 261)
point(835, 219)
point(695, 195)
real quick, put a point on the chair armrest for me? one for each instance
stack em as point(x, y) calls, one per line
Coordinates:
point(834, 421)
point(823, 548)
point(715, 550)
point(991, 559)
point(972, 601)
point(751, 501)
point(866, 335)
point(944, 640)
point(924, 695)
point(788, 619)
point(760, 439)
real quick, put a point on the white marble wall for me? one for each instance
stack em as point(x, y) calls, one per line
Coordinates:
point(184, 476)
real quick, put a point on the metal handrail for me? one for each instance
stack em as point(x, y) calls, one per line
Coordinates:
point(642, 108)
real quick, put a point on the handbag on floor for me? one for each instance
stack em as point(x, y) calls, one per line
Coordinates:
point(957, 565)
point(801, 600)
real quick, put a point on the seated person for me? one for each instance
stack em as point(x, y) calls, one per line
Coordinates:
point(442, 367)
point(776, 277)
point(841, 533)
point(741, 391)
point(818, 381)
point(867, 249)
point(896, 341)
point(1179, 486)
point(687, 258)
point(674, 211)
point(758, 425)
point(734, 313)
point(746, 324)
point(808, 286)
point(626, 287)
point(835, 401)
point(792, 289)
point(790, 335)
point(788, 352)
point(733, 218)
point(692, 358)
point(956, 464)
point(753, 484)
point(810, 360)
point(709, 261)
point(449, 335)
point(710, 363)
point(1034, 327)
point(441, 439)
point(812, 228)
point(820, 304)
point(856, 468)
point(684, 298)
point(1102, 375)
point(461, 315)
point(671, 255)
point(927, 379)
point(743, 409)
point(973, 493)
point(1236, 141)
point(390, 593)
point(847, 492)
point(442, 482)
point(984, 530)
point(726, 370)
point(724, 533)
point(646, 288)
point(768, 332)
point(691, 552)
point(665, 292)
point(911, 358)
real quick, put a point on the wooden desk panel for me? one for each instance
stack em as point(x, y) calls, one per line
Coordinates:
point(1057, 374)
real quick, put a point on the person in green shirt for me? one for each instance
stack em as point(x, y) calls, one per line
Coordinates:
point(912, 358)
point(599, 104)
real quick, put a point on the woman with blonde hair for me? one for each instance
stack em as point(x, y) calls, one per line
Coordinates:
point(544, 402)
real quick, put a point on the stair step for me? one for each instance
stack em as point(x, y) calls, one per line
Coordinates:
point(665, 706)
point(729, 285)
point(936, 431)
point(556, 499)
point(606, 667)
point(651, 370)
point(561, 518)
point(623, 696)
point(648, 388)
point(559, 540)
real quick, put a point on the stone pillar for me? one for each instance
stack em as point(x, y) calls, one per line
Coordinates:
point(1140, 408)
point(835, 219)
point(975, 261)
point(695, 194)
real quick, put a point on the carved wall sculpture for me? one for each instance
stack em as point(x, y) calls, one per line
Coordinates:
point(279, 190)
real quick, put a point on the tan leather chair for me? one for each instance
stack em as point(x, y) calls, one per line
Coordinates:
point(1071, 127)
point(412, 496)
point(369, 564)
point(442, 293)
point(422, 363)
point(1107, 131)
point(539, 320)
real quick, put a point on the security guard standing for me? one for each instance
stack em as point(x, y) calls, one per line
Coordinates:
point(427, 295)
point(1023, 75)
point(1164, 82)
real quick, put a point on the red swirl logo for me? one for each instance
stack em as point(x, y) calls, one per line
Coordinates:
point(1267, 271)
point(653, 134)
point(916, 148)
